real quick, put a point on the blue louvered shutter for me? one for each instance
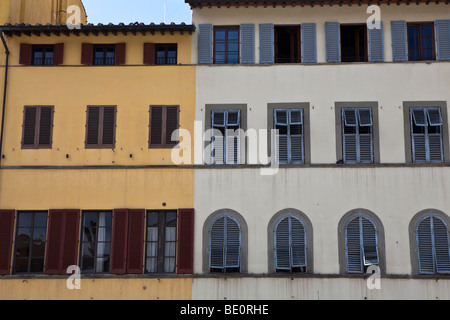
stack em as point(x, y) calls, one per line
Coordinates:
point(376, 47)
point(365, 141)
point(332, 30)
point(369, 242)
point(443, 39)
point(425, 246)
point(232, 137)
point(205, 44)
point(281, 140)
point(266, 43)
point(309, 47)
point(217, 244)
point(435, 147)
point(353, 247)
point(282, 245)
point(399, 45)
point(298, 243)
point(232, 243)
point(296, 136)
point(247, 43)
point(218, 118)
point(290, 244)
point(441, 245)
point(350, 143)
point(225, 243)
point(419, 141)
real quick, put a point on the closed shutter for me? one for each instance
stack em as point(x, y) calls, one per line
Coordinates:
point(435, 139)
point(266, 43)
point(119, 241)
point(135, 241)
point(58, 56)
point(156, 126)
point(225, 243)
point(6, 240)
point(353, 247)
point(62, 241)
point(87, 53)
point(290, 244)
point(298, 243)
point(218, 118)
point(399, 46)
point(232, 137)
point(45, 126)
point(26, 54)
point(93, 126)
point(109, 126)
point(425, 246)
point(350, 143)
point(441, 245)
point(419, 140)
point(185, 263)
point(309, 46)
point(171, 124)
point(120, 49)
point(443, 39)
point(205, 43)
point(369, 242)
point(296, 148)
point(217, 244)
point(281, 141)
point(376, 48)
point(149, 53)
point(247, 43)
point(29, 126)
point(282, 245)
point(332, 30)
point(365, 143)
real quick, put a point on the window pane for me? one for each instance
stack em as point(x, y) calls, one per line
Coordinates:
point(40, 219)
point(220, 34)
point(25, 219)
point(233, 34)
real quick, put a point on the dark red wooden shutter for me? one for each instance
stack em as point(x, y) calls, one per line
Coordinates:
point(29, 127)
point(119, 241)
point(45, 126)
point(87, 53)
point(58, 54)
point(93, 126)
point(26, 54)
point(156, 126)
point(55, 233)
point(171, 125)
point(185, 241)
point(120, 53)
point(6, 240)
point(109, 126)
point(71, 237)
point(136, 231)
point(149, 53)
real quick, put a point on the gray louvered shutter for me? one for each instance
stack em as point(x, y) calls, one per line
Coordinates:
point(266, 43)
point(217, 244)
point(436, 153)
point(353, 247)
point(218, 138)
point(350, 149)
point(418, 143)
point(232, 137)
point(298, 243)
point(399, 46)
point(443, 39)
point(425, 246)
point(247, 43)
point(441, 245)
point(376, 47)
point(309, 43)
point(332, 30)
point(370, 243)
point(296, 136)
point(232, 243)
point(281, 140)
point(205, 43)
point(282, 245)
point(365, 143)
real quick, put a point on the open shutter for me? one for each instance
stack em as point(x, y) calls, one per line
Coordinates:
point(6, 240)
point(353, 247)
point(332, 30)
point(185, 254)
point(58, 55)
point(247, 43)
point(350, 149)
point(149, 53)
point(217, 244)
point(205, 43)
point(399, 46)
point(376, 48)
point(119, 241)
point(218, 118)
point(370, 243)
point(156, 126)
point(435, 139)
point(266, 43)
point(425, 246)
point(441, 245)
point(171, 124)
point(71, 238)
point(232, 137)
point(26, 54)
point(87, 53)
point(365, 140)
point(419, 140)
point(296, 136)
point(309, 43)
point(135, 243)
point(282, 245)
point(119, 55)
point(45, 126)
point(109, 126)
point(281, 141)
point(443, 39)
point(232, 243)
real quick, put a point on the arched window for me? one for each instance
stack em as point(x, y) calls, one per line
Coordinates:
point(432, 246)
point(225, 245)
point(290, 245)
point(361, 244)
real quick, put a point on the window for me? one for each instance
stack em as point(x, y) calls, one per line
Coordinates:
point(226, 136)
point(31, 235)
point(166, 53)
point(225, 245)
point(290, 245)
point(42, 55)
point(96, 241)
point(287, 44)
point(161, 242)
point(357, 135)
point(289, 143)
point(101, 127)
point(226, 44)
point(361, 245)
point(164, 120)
point(432, 246)
point(37, 127)
point(104, 54)
point(421, 41)
point(354, 43)
point(426, 135)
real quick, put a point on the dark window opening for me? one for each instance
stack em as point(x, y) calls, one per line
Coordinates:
point(287, 44)
point(226, 45)
point(104, 54)
point(166, 53)
point(421, 42)
point(354, 43)
point(43, 55)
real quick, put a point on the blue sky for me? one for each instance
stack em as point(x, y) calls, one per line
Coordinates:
point(146, 11)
